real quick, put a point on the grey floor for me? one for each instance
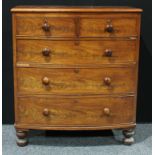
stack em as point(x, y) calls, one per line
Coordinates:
point(39, 144)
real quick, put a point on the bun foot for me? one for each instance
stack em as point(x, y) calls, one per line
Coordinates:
point(128, 141)
point(21, 138)
point(22, 142)
point(128, 134)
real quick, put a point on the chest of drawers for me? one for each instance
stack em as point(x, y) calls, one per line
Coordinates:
point(75, 68)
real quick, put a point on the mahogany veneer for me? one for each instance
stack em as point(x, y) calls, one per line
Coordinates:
point(75, 68)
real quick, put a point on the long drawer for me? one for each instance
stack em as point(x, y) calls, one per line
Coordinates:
point(80, 111)
point(76, 52)
point(111, 25)
point(76, 80)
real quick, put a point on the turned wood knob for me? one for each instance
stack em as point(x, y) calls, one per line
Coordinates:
point(45, 81)
point(107, 81)
point(46, 52)
point(46, 26)
point(108, 52)
point(46, 112)
point(107, 111)
point(109, 28)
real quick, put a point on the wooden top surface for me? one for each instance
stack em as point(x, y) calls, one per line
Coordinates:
point(43, 8)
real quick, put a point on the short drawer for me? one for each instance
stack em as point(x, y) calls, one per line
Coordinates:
point(110, 26)
point(76, 52)
point(45, 26)
point(74, 80)
point(80, 111)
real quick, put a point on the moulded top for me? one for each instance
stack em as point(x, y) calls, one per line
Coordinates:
point(35, 8)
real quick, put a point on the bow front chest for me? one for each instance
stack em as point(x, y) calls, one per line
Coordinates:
point(75, 68)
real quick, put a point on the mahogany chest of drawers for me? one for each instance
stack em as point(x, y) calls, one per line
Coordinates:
point(75, 68)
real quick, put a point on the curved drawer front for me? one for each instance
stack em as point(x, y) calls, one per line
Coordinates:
point(76, 81)
point(76, 52)
point(77, 26)
point(91, 111)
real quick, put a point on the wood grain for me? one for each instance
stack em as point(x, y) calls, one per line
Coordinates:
point(75, 111)
point(73, 85)
point(76, 52)
point(87, 26)
point(74, 81)
point(59, 27)
point(96, 27)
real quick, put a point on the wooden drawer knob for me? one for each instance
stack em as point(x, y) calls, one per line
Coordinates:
point(109, 28)
point(46, 26)
point(107, 81)
point(108, 52)
point(46, 52)
point(45, 81)
point(46, 112)
point(107, 111)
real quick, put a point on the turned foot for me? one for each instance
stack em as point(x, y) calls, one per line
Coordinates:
point(128, 136)
point(21, 138)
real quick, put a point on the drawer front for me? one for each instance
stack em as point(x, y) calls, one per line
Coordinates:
point(76, 52)
point(89, 111)
point(42, 26)
point(108, 27)
point(73, 81)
